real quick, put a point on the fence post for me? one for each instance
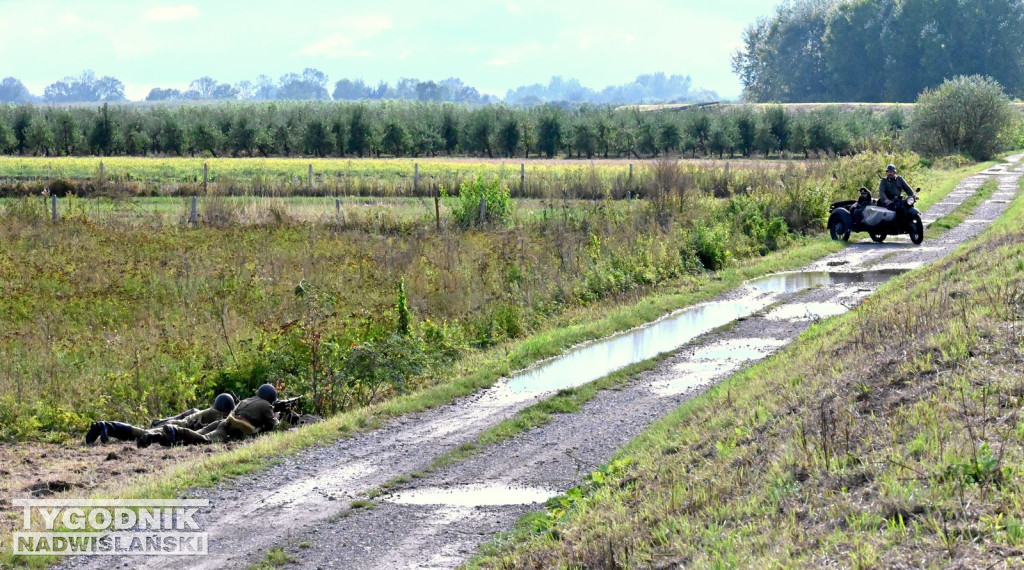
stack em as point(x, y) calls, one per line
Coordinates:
point(53, 207)
point(102, 170)
point(415, 177)
point(206, 177)
point(337, 205)
point(483, 210)
point(193, 216)
point(437, 212)
point(310, 175)
point(631, 173)
point(522, 179)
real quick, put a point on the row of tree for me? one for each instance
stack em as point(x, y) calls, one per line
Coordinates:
point(390, 128)
point(879, 50)
point(313, 84)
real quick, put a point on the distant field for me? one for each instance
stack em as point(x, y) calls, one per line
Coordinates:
point(276, 177)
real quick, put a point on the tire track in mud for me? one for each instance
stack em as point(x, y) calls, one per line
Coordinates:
point(303, 503)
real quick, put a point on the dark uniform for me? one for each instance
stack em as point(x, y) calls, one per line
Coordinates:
point(250, 417)
point(889, 189)
point(192, 419)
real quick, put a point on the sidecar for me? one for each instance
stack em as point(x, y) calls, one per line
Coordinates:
point(879, 222)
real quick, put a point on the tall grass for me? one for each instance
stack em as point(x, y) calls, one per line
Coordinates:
point(129, 321)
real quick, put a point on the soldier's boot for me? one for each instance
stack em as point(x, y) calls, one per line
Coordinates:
point(149, 438)
point(96, 430)
point(123, 431)
point(184, 436)
point(106, 430)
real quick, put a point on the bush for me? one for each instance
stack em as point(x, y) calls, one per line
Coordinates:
point(966, 115)
point(499, 203)
point(711, 245)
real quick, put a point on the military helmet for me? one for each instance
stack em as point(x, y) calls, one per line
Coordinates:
point(891, 167)
point(267, 392)
point(224, 403)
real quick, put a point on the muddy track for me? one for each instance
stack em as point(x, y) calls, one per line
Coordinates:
point(304, 503)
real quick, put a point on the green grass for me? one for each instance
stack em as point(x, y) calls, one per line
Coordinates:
point(887, 436)
point(276, 558)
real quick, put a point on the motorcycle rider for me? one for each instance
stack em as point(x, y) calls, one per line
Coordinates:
point(889, 188)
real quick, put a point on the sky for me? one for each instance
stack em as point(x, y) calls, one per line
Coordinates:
point(492, 46)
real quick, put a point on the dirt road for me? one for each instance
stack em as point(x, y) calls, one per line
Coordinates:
point(304, 504)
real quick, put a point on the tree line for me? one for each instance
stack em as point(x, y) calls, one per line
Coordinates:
point(313, 84)
point(879, 50)
point(397, 128)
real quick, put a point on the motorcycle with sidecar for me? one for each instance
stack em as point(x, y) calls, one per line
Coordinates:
point(864, 215)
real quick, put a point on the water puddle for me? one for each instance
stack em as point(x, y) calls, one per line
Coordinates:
point(595, 360)
point(592, 361)
point(738, 349)
point(476, 495)
point(713, 362)
point(798, 281)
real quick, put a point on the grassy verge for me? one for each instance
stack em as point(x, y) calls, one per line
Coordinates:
point(890, 436)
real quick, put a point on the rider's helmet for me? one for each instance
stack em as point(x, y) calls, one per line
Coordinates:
point(865, 197)
point(224, 403)
point(267, 392)
point(891, 168)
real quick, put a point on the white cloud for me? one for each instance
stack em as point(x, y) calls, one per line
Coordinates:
point(172, 13)
point(367, 26)
point(70, 19)
point(334, 46)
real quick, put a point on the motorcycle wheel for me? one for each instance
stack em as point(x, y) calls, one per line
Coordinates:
point(915, 227)
point(878, 238)
point(838, 230)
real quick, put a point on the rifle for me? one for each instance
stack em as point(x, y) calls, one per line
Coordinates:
point(286, 407)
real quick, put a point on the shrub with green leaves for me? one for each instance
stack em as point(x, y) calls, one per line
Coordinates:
point(968, 115)
point(496, 198)
point(711, 245)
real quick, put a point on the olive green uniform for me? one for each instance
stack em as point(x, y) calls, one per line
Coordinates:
point(890, 189)
point(199, 419)
point(250, 417)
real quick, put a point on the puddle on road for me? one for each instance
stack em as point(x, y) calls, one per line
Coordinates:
point(472, 496)
point(690, 374)
point(806, 311)
point(592, 361)
point(738, 349)
point(798, 281)
point(715, 361)
point(595, 360)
